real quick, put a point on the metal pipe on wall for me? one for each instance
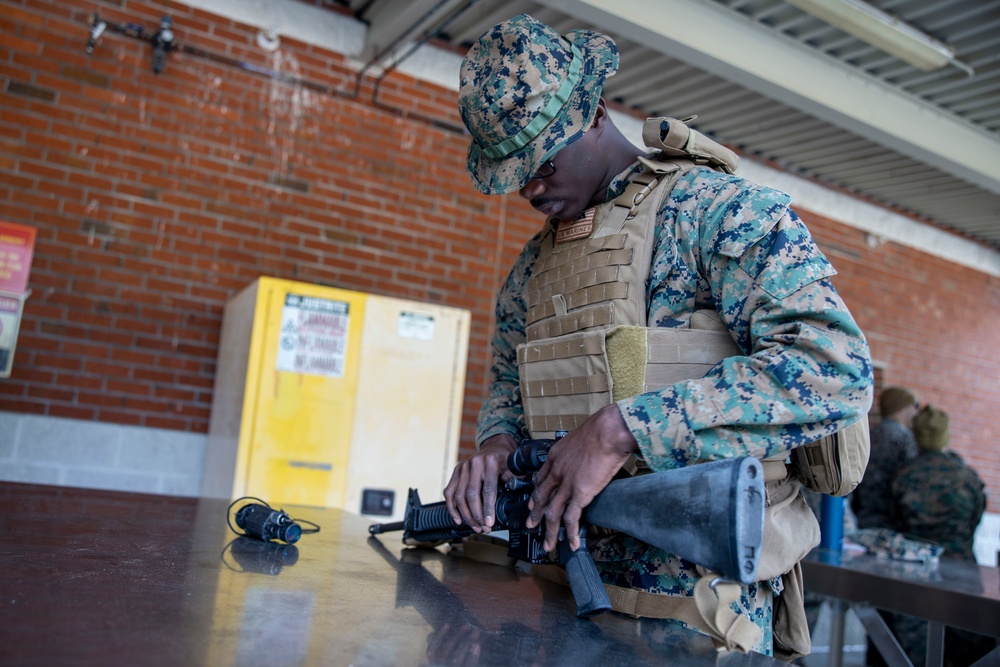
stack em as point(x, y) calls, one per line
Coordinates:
point(98, 26)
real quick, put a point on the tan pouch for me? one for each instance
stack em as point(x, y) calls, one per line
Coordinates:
point(790, 625)
point(834, 465)
point(790, 532)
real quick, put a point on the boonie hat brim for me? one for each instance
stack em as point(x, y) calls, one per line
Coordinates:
point(525, 93)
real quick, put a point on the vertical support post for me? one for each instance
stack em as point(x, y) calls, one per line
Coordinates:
point(838, 609)
point(935, 644)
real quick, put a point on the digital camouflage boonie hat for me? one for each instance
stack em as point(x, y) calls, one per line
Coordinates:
point(525, 92)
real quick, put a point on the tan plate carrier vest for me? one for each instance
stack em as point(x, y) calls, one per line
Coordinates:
point(588, 344)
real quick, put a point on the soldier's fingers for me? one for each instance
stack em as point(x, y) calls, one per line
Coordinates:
point(449, 495)
point(543, 473)
point(474, 496)
point(474, 510)
point(504, 472)
point(547, 468)
point(490, 476)
point(538, 503)
point(461, 505)
point(553, 517)
point(571, 520)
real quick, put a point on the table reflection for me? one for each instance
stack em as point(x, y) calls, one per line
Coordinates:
point(96, 577)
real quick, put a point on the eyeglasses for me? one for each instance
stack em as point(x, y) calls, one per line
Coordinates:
point(547, 169)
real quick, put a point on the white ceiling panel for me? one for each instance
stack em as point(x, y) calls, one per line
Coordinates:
point(778, 83)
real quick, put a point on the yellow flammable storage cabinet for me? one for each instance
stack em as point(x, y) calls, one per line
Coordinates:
point(332, 398)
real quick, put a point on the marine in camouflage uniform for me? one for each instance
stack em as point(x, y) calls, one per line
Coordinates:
point(892, 446)
point(938, 499)
point(720, 242)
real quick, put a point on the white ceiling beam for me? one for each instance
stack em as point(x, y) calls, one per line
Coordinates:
point(394, 23)
point(735, 48)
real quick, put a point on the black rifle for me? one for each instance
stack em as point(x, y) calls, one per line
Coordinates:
point(711, 514)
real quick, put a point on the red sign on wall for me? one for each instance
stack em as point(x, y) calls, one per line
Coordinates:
point(17, 244)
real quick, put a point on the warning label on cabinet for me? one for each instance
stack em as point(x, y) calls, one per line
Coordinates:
point(313, 336)
point(416, 325)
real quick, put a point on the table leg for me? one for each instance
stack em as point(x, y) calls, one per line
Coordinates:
point(991, 659)
point(838, 608)
point(881, 636)
point(935, 643)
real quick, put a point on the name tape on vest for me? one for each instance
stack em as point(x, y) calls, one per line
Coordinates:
point(579, 228)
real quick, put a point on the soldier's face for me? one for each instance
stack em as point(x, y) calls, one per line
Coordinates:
point(575, 184)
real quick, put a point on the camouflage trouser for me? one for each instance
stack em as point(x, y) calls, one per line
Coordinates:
point(627, 562)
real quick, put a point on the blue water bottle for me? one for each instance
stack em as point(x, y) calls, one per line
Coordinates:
point(831, 523)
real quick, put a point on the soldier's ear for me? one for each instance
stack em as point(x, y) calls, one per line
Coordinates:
point(601, 120)
point(601, 115)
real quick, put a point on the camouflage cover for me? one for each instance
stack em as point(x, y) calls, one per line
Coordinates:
point(524, 93)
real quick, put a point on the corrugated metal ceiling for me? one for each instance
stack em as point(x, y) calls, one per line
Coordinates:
point(799, 138)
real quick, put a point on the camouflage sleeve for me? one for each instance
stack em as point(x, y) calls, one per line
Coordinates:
point(502, 411)
point(808, 368)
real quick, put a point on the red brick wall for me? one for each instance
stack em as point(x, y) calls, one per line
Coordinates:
point(156, 198)
point(934, 327)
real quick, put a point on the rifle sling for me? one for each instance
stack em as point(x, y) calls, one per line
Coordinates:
point(707, 611)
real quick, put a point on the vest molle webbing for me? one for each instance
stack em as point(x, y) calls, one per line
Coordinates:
point(579, 292)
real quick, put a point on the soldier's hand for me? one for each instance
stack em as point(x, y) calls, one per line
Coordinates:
point(471, 495)
point(578, 468)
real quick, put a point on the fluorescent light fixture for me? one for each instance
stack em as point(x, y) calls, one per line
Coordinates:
point(875, 27)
